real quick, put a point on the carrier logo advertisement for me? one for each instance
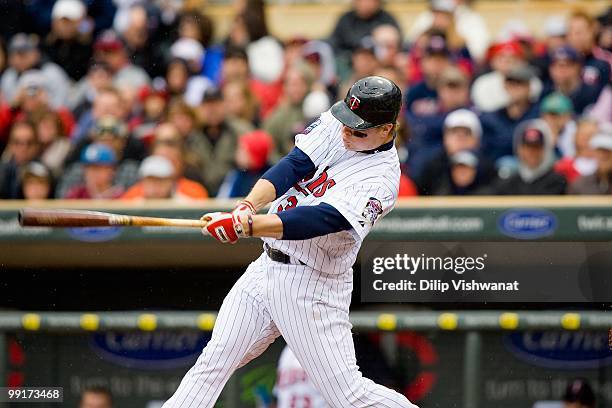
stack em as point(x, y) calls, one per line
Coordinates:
point(155, 350)
point(488, 271)
point(94, 234)
point(527, 223)
point(570, 350)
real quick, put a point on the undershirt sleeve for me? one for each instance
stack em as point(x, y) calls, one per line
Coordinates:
point(312, 221)
point(289, 170)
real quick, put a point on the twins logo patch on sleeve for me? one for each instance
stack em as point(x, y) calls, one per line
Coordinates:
point(372, 211)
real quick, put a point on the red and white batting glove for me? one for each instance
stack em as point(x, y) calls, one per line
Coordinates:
point(224, 227)
point(244, 208)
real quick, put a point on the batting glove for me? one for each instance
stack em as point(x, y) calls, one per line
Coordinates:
point(224, 227)
point(244, 208)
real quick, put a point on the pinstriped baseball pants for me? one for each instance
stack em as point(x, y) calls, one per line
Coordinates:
point(310, 310)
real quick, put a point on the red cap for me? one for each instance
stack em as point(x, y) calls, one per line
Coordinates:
point(532, 137)
point(108, 41)
point(258, 144)
point(508, 47)
point(145, 92)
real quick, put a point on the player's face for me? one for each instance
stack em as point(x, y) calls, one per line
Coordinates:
point(359, 140)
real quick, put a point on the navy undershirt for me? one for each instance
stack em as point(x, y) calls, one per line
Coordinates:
point(289, 170)
point(312, 221)
point(307, 221)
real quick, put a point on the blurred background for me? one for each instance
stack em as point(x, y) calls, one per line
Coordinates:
point(175, 108)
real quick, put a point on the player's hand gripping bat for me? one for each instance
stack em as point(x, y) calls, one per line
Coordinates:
point(30, 217)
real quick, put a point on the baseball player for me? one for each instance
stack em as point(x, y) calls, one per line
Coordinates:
point(325, 196)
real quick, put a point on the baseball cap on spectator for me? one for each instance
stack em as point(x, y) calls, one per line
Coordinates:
point(158, 88)
point(464, 157)
point(601, 141)
point(453, 76)
point(556, 103)
point(23, 43)
point(579, 391)
point(32, 79)
point(108, 41)
point(532, 136)
point(69, 9)
point(512, 48)
point(436, 45)
point(555, 26)
point(36, 169)
point(565, 53)
point(445, 6)
point(466, 119)
point(258, 144)
point(521, 73)
point(109, 125)
point(98, 154)
point(187, 49)
point(156, 166)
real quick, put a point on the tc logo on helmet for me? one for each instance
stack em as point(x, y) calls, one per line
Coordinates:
point(354, 102)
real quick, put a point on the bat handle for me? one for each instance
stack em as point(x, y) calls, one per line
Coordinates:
point(127, 220)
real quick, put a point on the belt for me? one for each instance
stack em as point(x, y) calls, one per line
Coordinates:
point(279, 256)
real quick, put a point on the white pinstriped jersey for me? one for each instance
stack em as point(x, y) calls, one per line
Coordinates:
point(293, 388)
point(362, 187)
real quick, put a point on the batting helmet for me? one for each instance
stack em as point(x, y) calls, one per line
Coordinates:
point(372, 101)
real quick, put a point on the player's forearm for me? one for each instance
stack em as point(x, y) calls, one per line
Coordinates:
point(262, 194)
point(265, 226)
point(297, 224)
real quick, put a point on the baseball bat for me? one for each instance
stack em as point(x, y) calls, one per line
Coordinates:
point(31, 217)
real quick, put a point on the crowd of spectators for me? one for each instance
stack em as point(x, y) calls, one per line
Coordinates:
point(136, 100)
